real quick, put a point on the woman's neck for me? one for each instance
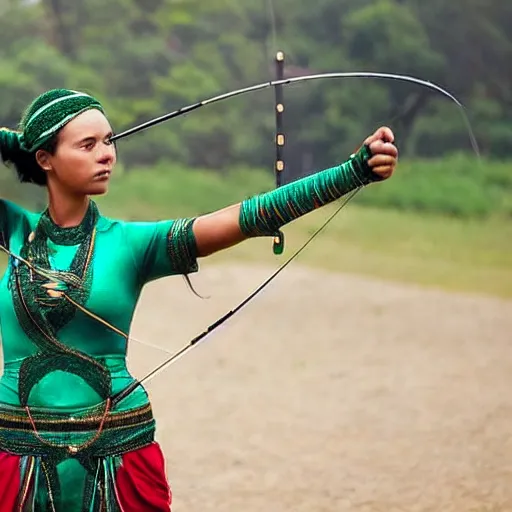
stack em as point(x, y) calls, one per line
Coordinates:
point(68, 211)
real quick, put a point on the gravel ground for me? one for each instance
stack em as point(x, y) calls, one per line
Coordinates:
point(330, 392)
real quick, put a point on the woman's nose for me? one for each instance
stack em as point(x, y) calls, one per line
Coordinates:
point(107, 153)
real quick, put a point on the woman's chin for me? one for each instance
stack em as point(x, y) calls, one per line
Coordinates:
point(98, 189)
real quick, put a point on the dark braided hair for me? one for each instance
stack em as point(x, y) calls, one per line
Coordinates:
point(25, 163)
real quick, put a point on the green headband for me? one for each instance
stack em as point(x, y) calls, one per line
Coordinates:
point(45, 116)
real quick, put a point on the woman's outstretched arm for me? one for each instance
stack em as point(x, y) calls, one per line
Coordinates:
point(265, 214)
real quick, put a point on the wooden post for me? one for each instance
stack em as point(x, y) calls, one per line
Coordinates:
point(280, 140)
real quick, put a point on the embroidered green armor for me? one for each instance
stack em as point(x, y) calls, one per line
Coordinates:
point(62, 367)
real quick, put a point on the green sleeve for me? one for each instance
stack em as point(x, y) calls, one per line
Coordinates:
point(162, 248)
point(265, 214)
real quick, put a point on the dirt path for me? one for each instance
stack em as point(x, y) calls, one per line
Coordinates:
point(331, 393)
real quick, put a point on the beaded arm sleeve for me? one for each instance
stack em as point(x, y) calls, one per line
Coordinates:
point(162, 248)
point(264, 214)
point(182, 247)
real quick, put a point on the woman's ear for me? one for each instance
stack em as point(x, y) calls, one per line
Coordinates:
point(43, 160)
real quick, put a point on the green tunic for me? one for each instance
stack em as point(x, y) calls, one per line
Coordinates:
point(126, 256)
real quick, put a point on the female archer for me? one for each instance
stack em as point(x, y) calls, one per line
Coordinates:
point(68, 296)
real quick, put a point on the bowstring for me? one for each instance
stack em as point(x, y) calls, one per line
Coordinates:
point(180, 353)
point(271, 12)
point(202, 336)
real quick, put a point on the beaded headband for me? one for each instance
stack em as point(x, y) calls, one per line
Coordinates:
point(44, 117)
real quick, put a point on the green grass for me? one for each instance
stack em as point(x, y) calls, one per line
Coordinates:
point(455, 253)
point(432, 251)
point(458, 186)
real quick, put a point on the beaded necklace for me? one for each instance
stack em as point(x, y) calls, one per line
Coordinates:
point(42, 307)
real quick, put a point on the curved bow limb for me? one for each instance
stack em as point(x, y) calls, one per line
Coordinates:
point(222, 97)
point(304, 78)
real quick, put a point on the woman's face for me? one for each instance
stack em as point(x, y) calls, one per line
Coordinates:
point(84, 158)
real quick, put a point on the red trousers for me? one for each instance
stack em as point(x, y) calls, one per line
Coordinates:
point(141, 481)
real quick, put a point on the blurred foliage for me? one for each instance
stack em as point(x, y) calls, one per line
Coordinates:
point(143, 58)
